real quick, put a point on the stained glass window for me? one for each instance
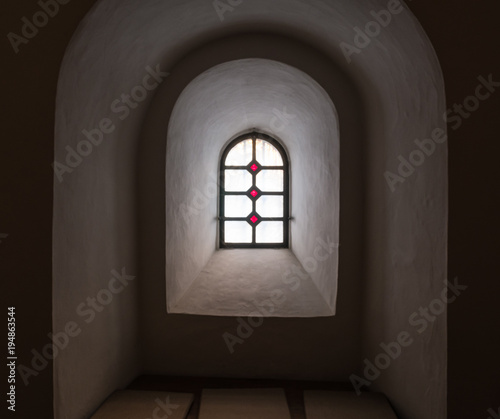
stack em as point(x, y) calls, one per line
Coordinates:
point(254, 193)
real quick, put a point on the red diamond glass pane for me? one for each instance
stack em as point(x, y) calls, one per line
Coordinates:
point(254, 219)
point(254, 167)
point(254, 193)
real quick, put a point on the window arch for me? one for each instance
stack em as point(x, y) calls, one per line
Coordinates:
point(253, 198)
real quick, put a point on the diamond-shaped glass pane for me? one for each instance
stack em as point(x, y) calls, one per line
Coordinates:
point(254, 219)
point(237, 205)
point(237, 180)
point(267, 154)
point(240, 154)
point(254, 167)
point(269, 232)
point(237, 232)
point(270, 206)
point(254, 193)
point(270, 180)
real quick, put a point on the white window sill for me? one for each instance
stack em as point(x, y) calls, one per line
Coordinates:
point(253, 282)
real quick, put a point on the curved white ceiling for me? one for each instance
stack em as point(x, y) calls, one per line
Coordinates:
point(126, 36)
point(253, 93)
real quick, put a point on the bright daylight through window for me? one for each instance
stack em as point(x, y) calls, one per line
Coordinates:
point(253, 207)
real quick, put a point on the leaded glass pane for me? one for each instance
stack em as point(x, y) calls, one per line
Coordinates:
point(270, 180)
point(269, 232)
point(267, 154)
point(240, 154)
point(237, 180)
point(237, 232)
point(237, 205)
point(270, 206)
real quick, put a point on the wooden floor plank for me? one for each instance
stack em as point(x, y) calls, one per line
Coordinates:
point(346, 405)
point(293, 388)
point(261, 403)
point(131, 404)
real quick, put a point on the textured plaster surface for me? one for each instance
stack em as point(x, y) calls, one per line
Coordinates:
point(256, 282)
point(219, 105)
point(103, 221)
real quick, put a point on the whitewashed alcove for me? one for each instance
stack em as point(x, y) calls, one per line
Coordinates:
point(217, 106)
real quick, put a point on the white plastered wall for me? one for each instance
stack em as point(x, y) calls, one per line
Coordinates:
point(95, 219)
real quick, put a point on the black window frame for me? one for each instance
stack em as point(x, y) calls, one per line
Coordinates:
point(286, 196)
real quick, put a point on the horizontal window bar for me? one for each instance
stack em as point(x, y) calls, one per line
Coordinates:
point(245, 218)
point(260, 193)
point(261, 167)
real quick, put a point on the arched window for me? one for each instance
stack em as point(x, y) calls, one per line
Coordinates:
point(254, 207)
